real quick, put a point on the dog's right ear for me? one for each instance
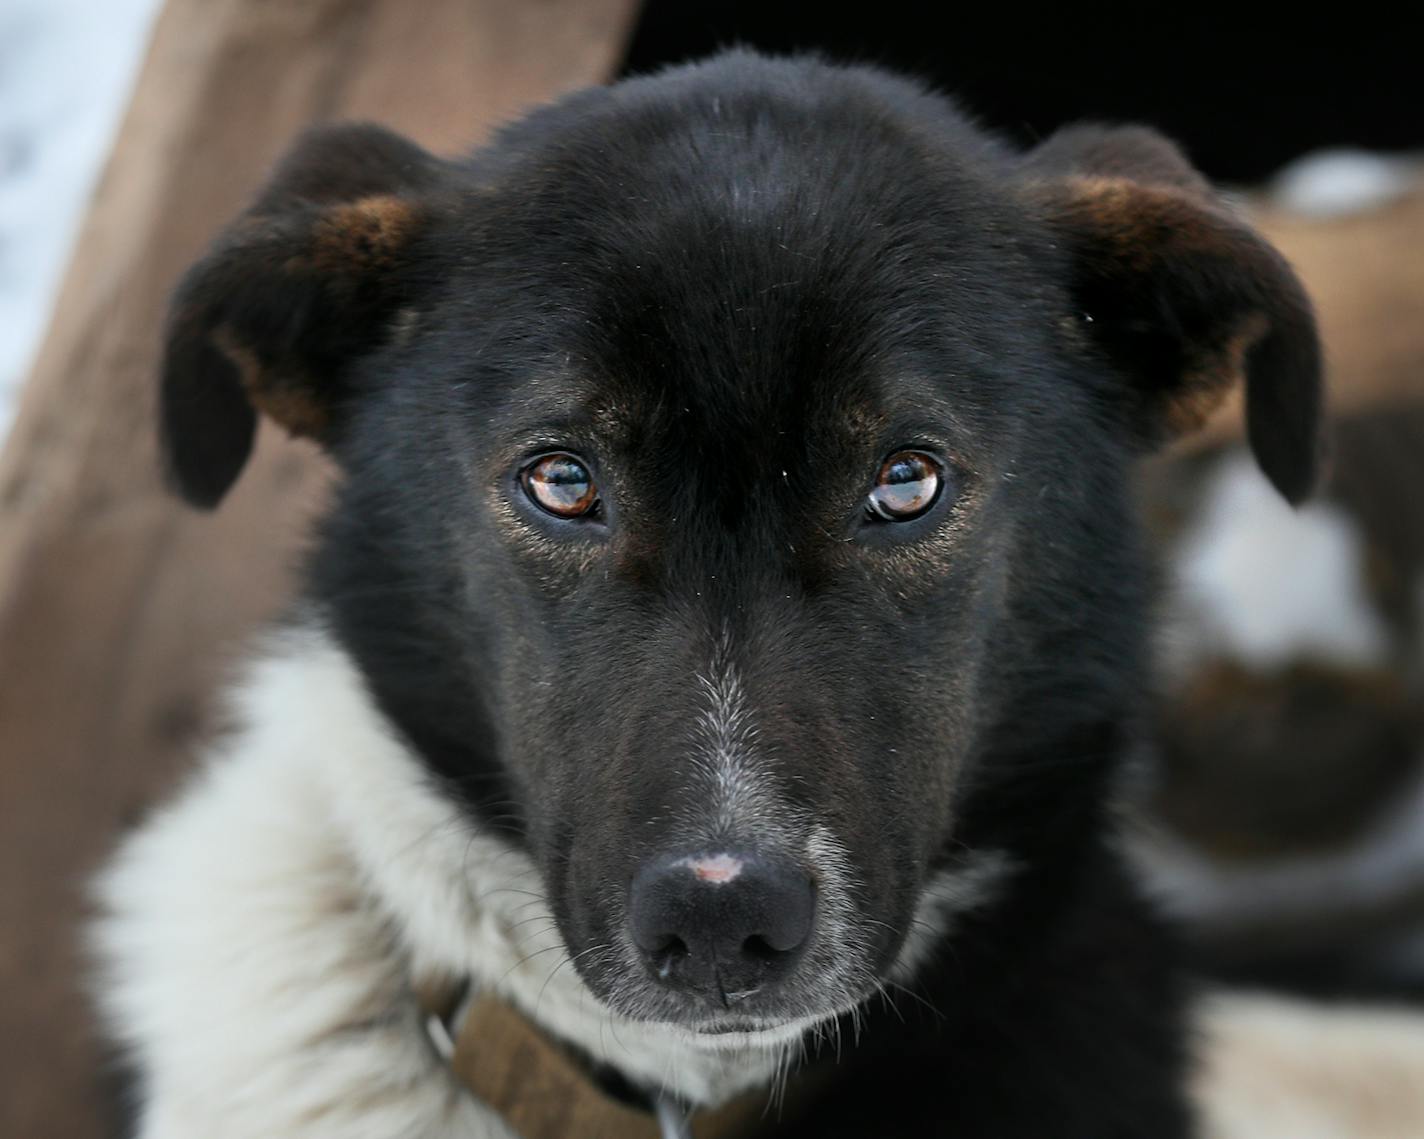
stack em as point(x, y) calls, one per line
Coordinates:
point(1182, 295)
point(303, 283)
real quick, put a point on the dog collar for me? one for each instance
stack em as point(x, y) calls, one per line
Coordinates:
point(544, 1090)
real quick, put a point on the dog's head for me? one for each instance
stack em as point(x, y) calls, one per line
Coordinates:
point(735, 484)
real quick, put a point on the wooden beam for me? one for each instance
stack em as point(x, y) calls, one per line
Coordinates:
point(119, 608)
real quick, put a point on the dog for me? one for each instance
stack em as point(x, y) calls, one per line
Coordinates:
point(731, 629)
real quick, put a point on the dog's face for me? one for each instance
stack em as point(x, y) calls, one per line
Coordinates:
point(722, 453)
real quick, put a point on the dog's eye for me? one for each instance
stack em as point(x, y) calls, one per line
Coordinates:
point(908, 484)
point(561, 485)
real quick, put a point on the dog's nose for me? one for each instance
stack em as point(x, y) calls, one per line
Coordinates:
point(722, 925)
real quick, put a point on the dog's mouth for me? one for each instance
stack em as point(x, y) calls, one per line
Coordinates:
point(754, 1032)
point(770, 1014)
point(754, 1028)
point(723, 1028)
point(773, 1017)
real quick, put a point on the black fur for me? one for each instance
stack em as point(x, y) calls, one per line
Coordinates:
point(733, 289)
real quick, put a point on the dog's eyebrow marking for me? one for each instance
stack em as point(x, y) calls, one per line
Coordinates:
point(717, 869)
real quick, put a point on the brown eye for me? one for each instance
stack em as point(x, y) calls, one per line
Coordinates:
point(561, 485)
point(908, 484)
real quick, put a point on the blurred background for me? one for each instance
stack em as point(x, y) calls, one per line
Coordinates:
point(1280, 811)
point(66, 67)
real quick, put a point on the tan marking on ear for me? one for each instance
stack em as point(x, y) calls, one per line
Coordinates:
point(1106, 197)
point(1116, 213)
point(297, 412)
point(1134, 230)
point(285, 403)
point(1143, 224)
point(1217, 372)
point(361, 235)
point(244, 359)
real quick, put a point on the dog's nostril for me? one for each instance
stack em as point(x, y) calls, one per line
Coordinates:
point(666, 956)
point(760, 949)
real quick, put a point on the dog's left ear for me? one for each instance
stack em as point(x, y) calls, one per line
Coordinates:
point(1183, 297)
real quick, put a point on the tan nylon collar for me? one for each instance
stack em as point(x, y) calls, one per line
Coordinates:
point(544, 1091)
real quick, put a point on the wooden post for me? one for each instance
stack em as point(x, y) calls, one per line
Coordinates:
point(119, 608)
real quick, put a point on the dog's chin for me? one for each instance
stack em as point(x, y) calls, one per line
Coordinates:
point(741, 1033)
point(717, 1030)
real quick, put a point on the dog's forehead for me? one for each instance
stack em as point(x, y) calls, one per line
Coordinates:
point(768, 273)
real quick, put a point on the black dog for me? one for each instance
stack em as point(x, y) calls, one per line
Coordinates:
point(734, 567)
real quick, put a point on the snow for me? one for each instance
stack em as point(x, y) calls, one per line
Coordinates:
point(1331, 183)
point(66, 67)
